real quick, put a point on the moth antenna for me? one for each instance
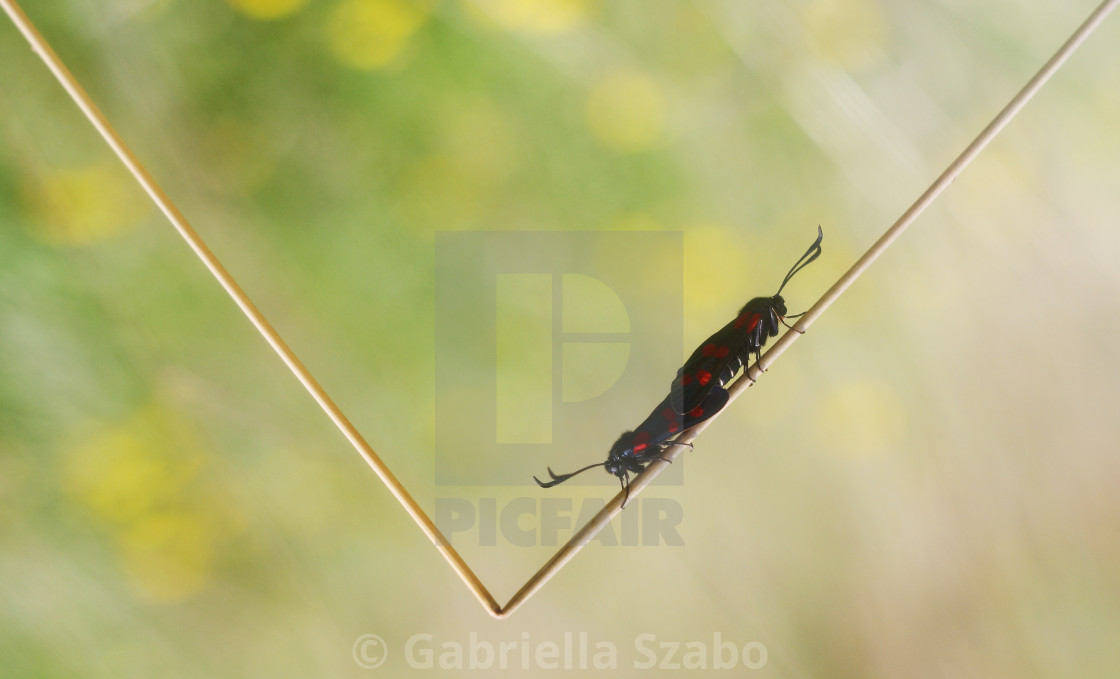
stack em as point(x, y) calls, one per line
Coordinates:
point(806, 259)
point(564, 477)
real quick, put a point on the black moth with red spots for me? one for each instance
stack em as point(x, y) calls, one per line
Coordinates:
point(634, 450)
point(719, 358)
point(698, 391)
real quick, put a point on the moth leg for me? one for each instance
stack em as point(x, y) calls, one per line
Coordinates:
point(759, 340)
point(783, 320)
point(746, 362)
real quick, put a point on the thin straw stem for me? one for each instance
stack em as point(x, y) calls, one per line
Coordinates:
point(64, 77)
point(597, 522)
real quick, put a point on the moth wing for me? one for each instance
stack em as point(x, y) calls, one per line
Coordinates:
point(661, 425)
point(712, 364)
point(664, 423)
point(716, 401)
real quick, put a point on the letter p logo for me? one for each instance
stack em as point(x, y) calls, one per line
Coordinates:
point(549, 343)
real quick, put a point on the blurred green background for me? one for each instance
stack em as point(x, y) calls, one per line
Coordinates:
point(924, 487)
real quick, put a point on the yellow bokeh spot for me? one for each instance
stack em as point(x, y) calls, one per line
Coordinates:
point(84, 205)
point(847, 33)
point(124, 471)
point(140, 479)
point(169, 556)
point(530, 16)
point(371, 34)
point(710, 288)
point(626, 112)
point(267, 10)
point(861, 419)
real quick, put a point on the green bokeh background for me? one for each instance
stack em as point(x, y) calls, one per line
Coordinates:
point(925, 486)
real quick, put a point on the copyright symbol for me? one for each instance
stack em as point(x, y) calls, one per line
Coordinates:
point(370, 651)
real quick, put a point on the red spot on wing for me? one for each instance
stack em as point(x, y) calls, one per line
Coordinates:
point(722, 352)
point(698, 411)
point(703, 377)
point(750, 320)
point(686, 380)
point(639, 448)
point(673, 427)
point(641, 438)
point(708, 349)
point(669, 414)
